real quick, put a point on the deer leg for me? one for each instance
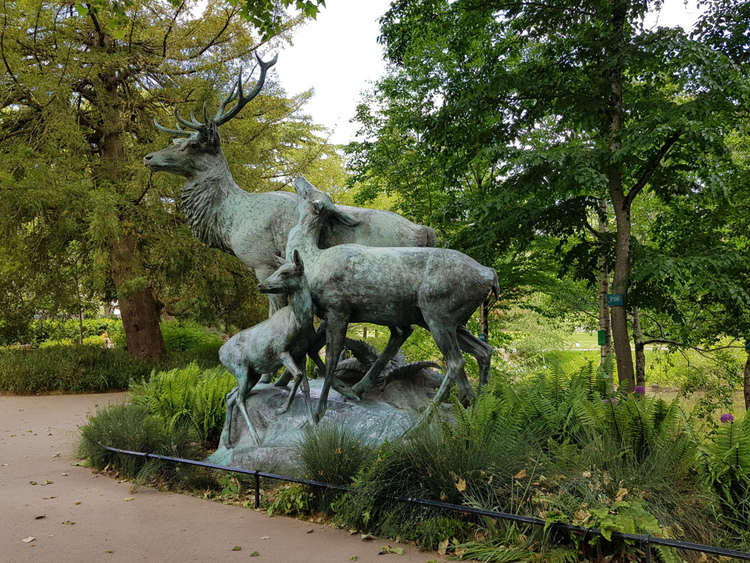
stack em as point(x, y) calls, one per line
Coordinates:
point(282, 381)
point(335, 337)
point(342, 388)
point(243, 389)
point(231, 400)
point(399, 334)
point(447, 342)
point(480, 350)
point(299, 377)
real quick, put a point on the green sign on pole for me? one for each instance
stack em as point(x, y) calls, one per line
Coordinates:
point(602, 337)
point(615, 300)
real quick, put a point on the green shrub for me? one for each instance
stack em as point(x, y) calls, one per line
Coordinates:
point(69, 330)
point(187, 396)
point(132, 427)
point(182, 336)
point(551, 446)
point(68, 369)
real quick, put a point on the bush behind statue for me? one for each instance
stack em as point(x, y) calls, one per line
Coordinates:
point(68, 369)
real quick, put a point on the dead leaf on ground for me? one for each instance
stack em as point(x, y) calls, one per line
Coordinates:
point(621, 494)
point(69, 523)
point(40, 517)
point(442, 547)
point(387, 549)
point(28, 540)
point(520, 475)
point(367, 537)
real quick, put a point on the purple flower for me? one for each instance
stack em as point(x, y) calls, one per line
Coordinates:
point(639, 390)
point(727, 418)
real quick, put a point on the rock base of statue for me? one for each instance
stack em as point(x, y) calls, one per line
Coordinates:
point(385, 412)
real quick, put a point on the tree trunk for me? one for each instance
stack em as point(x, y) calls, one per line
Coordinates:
point(606, 349)
point(621, 205)
point(138, 308)
point(640, 349)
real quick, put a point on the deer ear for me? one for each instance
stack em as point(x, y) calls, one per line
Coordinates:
point(298, 262)
point(278, 260)
point(345, 218)
point(302, 186)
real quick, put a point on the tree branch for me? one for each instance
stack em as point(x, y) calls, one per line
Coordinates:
point(651, 166)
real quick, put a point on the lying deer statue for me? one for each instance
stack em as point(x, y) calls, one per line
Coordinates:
point(254, 226)
point(436, 288)
point(282, 340)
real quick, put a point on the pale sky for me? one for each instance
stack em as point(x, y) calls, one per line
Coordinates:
point(338, 56)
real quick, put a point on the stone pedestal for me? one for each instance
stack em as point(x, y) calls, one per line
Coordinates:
point(384, 412)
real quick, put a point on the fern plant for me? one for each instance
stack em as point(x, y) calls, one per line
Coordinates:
point(188, 395)
point(725, 463)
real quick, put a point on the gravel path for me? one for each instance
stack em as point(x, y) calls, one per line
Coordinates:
point(53, 510)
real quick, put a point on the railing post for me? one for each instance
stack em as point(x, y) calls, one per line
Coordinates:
point(257, 490)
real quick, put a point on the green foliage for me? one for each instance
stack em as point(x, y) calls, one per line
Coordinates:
point(725, 466)
point(132, 427)
point(181, 336)
point(333, 453)
point(69, 369)
point(290, 500)
point(552, 446)
point(187, 397)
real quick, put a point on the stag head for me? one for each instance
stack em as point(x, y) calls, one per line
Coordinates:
point(196, 138)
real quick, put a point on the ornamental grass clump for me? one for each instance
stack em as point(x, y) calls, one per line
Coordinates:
point(132, 427)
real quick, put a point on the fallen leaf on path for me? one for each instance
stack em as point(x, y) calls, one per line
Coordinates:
point(310, 531)
point(367, 537)
point(33, 483)
point(442, 546)
point(69, 523)
point(266, 538)
point(64, 474)
point(128, 499)
point(47, 482)
point(387, 549)
point(48, 498)
point(40, 517)
point(28, 540)
point(236, 548)
point(254, 554)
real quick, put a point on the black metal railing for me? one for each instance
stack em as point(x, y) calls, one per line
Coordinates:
point(644, 540)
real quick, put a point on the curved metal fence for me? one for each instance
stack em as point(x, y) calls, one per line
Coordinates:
point(644, 540)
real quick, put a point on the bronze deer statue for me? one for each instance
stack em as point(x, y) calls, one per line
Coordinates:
point(436, 288)
point(254, 226)
point(284, 339)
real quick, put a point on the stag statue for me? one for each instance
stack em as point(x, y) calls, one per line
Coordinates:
point(254, 226)
point(436, 288)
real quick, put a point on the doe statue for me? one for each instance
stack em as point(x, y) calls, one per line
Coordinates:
point(436, 288)
point(254, 226)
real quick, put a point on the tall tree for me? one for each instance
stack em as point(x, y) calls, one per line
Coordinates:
point(76, 117)
point(566, 103)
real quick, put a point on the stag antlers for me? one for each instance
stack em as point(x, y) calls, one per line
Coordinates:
point(222, 115)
